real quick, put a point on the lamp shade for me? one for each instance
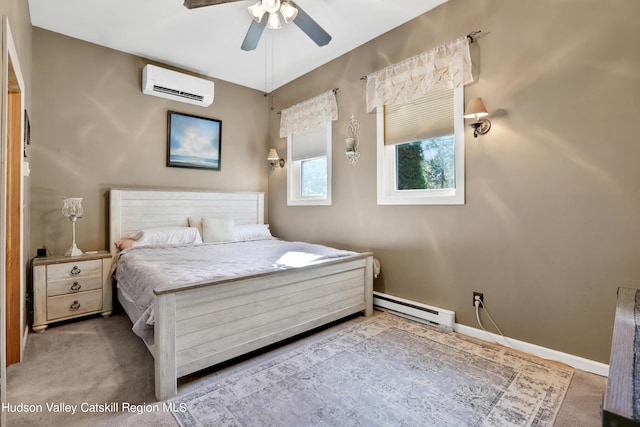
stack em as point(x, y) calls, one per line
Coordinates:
point(72, 207)
point(273, 21)
point(475, 109)
point(271, 6)
point(273, 155)
point(288, 12)
point(257, 11)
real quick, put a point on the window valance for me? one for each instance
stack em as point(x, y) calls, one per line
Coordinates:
point(445, 67)
point(309, 114)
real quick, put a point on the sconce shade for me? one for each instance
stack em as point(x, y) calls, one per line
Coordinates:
point(475, 109)
point(273, 155)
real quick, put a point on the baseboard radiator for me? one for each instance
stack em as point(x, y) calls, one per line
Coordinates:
point(414, 310)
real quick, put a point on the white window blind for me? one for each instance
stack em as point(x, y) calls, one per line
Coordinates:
point(309, 144)
point(427, 117)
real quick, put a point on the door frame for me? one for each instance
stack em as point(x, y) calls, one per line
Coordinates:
point(10, 62)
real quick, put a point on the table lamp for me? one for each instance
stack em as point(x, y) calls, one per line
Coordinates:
point(72, 209)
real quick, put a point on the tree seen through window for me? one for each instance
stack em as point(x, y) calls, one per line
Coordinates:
point(426, 165)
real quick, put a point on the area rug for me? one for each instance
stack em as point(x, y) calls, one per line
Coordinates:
point(384, 371)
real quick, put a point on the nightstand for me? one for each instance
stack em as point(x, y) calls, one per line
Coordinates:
point(66, 287)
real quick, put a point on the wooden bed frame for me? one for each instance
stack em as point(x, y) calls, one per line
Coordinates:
point(202, 325)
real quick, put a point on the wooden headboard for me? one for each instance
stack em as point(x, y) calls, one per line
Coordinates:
point(132, 210)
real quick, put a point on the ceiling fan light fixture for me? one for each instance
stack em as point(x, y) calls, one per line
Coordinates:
point(257, 11)
point(271, 6)
point(273, 22)
point(288, 12)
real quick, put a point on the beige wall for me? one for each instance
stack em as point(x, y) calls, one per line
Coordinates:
point(20, 21)
point(551, 224)
point(550, 227)
point(93, 128)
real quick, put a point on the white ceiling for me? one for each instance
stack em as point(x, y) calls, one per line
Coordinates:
point(207, 40)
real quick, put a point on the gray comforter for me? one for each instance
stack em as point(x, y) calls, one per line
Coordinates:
point(141, 270)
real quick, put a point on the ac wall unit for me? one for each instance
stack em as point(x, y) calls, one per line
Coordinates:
point(176, 86)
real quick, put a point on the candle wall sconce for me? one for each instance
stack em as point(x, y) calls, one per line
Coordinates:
point(352, 140)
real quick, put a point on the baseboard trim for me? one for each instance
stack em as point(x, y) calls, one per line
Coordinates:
point(576, 362)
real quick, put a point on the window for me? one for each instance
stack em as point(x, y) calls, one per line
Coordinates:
point(421, 150)
point(309, 171)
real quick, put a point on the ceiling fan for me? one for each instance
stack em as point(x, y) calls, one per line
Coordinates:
point(289, 11)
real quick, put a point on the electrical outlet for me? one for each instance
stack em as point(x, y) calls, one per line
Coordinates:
point(481, 297)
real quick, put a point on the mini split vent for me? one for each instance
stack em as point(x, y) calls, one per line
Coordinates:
point(179, 93)
point(176, 86)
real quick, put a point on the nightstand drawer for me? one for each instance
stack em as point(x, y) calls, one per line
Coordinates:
point(74, 285)
point(74, 269)
point(73, 305)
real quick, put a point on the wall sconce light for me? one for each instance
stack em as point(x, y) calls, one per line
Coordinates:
point(352, 141)
point(475, 110)
point(274, 159)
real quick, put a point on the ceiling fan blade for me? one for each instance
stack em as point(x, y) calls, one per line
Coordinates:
point(311, 28)
point(253, 35)
point(192, 4)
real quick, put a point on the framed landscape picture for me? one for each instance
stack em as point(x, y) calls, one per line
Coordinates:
point(193, 142)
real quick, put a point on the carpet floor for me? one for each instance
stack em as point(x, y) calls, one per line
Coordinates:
point(94, 363)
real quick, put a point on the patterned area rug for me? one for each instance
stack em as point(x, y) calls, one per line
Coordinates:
point(385, 371)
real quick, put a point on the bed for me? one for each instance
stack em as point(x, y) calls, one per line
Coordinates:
point(267, 306)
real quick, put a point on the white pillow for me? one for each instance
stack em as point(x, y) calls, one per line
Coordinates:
point(166, 236)
point(252, 232)
point(218, 230)
point(196, 221)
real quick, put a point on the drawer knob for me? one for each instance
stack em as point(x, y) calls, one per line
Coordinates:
point(74, 306)
point(75, 270)
point(76, 286)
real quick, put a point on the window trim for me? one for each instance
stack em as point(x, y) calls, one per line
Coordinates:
point(386, 177)
point(294, 176)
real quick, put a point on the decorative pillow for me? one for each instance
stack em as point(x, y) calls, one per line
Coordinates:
point(252, 232)
point(125, 243)
point(218, 230)
point(166, 236)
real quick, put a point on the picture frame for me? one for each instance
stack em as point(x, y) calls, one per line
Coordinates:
point(193, 142)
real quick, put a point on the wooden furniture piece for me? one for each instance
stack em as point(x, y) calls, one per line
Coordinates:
point(617, 407)
point(188, 333)
point(66, 287)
